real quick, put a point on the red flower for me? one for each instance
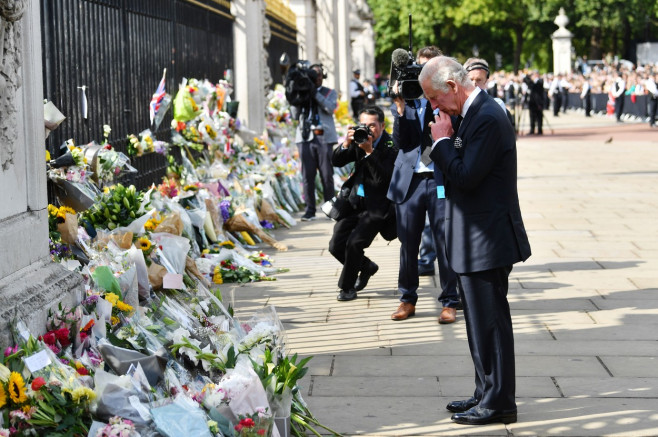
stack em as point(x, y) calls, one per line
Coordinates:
point(82, 371)
point(260, 432)
point(248, 422)
point(38, 383)
point(180, 126)
point(83, 336)
point(63, 336)
point(49, 338)
point(238, 427)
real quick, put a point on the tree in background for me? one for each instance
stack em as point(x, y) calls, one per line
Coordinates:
point(517, 30)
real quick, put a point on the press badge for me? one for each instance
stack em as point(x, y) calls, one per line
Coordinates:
point(440, 192)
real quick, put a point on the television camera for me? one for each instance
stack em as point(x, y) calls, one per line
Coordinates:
point(405, 71)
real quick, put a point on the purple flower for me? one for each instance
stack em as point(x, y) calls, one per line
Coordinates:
point(225, 208)
point(90, 300)
point(266, 224)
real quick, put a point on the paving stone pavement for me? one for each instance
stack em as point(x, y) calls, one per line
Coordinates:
point(584, 306)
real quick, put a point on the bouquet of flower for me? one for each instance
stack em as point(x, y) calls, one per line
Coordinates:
point(117, 206)
point(257, 424)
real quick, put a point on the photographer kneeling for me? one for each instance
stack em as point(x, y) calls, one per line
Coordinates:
point(373, 152)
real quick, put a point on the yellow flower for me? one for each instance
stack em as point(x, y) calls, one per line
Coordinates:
point(144, 243)
point(53, 210)
point(217, 275)
point(205, 251)
point(83, 393)
point(26, 408)
point(149, 226)
point(114, 320)
point(47, 155)
point(66, 210)
point(112, 298)
point(16, 388)
point(122, 306)
point(3, 396)
point(106, 190)
point(227, 243)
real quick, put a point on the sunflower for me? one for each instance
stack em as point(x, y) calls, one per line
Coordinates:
point(143, 243)
point(16, 388)
point(3, 396)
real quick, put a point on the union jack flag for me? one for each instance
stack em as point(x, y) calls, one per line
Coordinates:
point(156, 100)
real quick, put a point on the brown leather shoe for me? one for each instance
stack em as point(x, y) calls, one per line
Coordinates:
point(404, 311)
point(448, 315)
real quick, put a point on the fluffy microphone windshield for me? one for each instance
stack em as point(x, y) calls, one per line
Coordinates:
point(400, 58)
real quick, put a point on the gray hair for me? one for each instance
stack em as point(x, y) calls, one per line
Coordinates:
point(441, 69)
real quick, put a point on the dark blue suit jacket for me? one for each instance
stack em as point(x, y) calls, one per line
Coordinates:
point(484, 228)
point(407, 136)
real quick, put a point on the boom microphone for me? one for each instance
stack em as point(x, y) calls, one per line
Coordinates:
point(400, 58)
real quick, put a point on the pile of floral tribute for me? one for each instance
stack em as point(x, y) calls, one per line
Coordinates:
point(153, 349)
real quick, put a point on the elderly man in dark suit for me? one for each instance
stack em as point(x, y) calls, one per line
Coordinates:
point(372, 212)
point(485, 235)
point(417, 190)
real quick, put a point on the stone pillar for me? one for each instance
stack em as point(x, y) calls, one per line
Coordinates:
point(363, 41)
point(251, 33)
point(561, 45)
point(29, 282)
point(306, 29)
point(344, 64)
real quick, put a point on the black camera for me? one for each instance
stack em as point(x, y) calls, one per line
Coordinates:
point(300, 84)
point(405, 71)
point(361, 133)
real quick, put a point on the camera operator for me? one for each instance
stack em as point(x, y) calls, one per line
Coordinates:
point(372, 212)
point(315, 152)
point(535, 101)
point(417, 190)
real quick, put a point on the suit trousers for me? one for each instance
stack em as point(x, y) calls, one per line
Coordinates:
point(352, 235)
point(619, 106)
point(557, 103)
point(653, 105)
point(490, 336)
point(316, 155)
point(421, 198)
point(536, 118)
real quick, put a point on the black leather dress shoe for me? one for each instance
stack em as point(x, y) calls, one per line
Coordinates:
point(460, 406)
point(483, 416)
point(365, 275)
point(346, 295)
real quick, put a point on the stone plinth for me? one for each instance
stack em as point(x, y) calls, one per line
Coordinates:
point(561, 45)
point(29, 283)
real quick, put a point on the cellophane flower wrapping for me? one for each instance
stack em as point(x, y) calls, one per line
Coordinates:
point(181, 417)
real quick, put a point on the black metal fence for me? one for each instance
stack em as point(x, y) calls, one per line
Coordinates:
point(283, 40)
point(115, 51)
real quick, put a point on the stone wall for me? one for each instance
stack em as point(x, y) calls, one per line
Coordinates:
point(29, 283)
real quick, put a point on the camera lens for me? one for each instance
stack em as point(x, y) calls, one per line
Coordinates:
point(361, 135)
